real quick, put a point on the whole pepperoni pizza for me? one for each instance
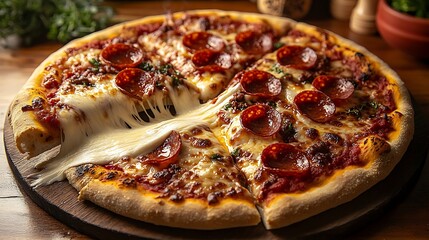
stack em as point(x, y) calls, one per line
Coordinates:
point(209, 119)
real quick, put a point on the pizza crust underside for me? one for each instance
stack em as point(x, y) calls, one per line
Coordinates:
point(283, 210)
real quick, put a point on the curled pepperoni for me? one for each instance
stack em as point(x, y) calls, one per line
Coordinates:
point(135, 82)
point(297, 57)
point(203, 40)
point(285, 160)
point(254, 42)
point(315, 105)
point(260, 83)
point(261, 120)
point(207, 57)
point(165, 154)
point(334, 87)
point(122, 56)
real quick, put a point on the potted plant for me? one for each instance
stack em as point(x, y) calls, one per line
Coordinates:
point(24, 22)
point(404, 24)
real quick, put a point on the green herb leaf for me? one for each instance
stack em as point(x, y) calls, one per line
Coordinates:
point(373, 104)
point(278, 45)
point(272, 104)
point(176, 81)
point(94, 62)
point(146, 66)
point(216, 156)
point(227, 106)
point(164, 69)
point(354, 112)
point(236, 153)
point(277, 69)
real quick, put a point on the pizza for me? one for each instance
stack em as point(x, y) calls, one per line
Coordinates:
point(212, 119)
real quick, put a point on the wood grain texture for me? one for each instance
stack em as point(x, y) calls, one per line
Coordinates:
point(21, 218)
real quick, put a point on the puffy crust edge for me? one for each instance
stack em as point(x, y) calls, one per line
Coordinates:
point(144, 206)
point(347, 184)
point(30, 135)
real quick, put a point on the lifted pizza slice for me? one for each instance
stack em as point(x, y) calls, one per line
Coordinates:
point(189, 181)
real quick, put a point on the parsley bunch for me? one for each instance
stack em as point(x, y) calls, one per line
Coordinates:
point(59, 20)
point(418, 8)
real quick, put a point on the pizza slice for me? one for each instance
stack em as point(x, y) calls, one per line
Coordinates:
point(188, 181)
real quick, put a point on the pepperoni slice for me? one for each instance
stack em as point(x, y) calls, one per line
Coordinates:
point(285, 160)
point(297, 57)
point(315, 105)
point(261, 120)
point(208, 57)
point(122, 56)
point(135, 82)
point(260, 83)
point(334, 87)
point(203, 40)
point(165, 154)
point(254, 42)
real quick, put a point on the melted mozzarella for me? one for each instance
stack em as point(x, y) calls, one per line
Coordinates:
point(107, 127)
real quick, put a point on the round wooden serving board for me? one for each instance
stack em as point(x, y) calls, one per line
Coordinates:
point(60, 200)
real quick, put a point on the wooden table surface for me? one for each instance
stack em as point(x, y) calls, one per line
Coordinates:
point(20, 218)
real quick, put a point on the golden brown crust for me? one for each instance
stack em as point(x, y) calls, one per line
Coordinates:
point(31, 136)
point(147, 206)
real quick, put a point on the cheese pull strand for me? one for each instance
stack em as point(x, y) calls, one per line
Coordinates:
point(108, 128)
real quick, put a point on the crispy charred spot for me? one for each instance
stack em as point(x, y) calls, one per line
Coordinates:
point(129, 182)
point(237, 103)
point(37, 103)
point(50, 82)
point(287, 130)
point(177, 197)
point(332, 138)
point(26, 108)
point(92, 171)
point(111, 175)
point(200, 143)
point(213, 197)
point(231, 192)
point(196, 131)
point(163, 174)
point(224, 116)
point(382, 126)
point(204, 24)
point(312, 133)
point(166, 174)
point(359, 55)
point(319, 154)
point(82, 169)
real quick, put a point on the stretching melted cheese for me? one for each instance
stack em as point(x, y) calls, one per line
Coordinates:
point(109, 126)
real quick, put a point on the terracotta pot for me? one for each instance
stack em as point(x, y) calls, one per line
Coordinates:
point(407, 33)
